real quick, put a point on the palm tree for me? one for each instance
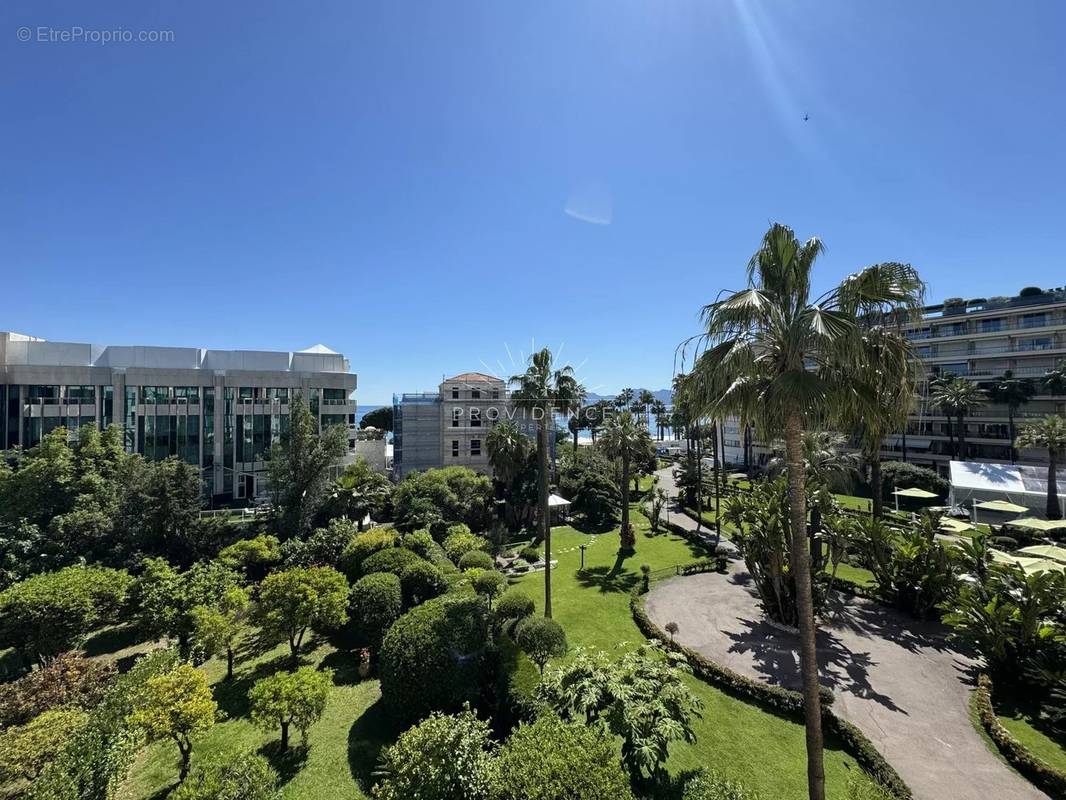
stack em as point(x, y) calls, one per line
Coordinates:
point(958, 397)
point(542, 391)
point(1049, 434)
point(624, 438)
point(509, 451)
point(776, 359)
point(360, 492)
point(623, 399)
point(1013, 393)
point(658, 408)
point(1054, 380)
point(826, 460)
point(645, 399)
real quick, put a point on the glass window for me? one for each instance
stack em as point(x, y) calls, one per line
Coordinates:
point(495, 394)
point(455, 448)
point(1034, 320)
point(475, 447)
point(475, 394)
point(988, 325)
point(455, 393)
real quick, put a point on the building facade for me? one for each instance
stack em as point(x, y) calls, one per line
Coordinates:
point(448, 427)
point(981, 340)
point(220, 410)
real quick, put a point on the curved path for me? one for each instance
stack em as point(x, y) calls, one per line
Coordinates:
point(898, 680)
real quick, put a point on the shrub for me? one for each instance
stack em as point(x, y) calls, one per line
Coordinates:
point(323, 548)
point(515, 605)
point(246, 777)
point(290, 698)
point(375, 603)
point(26, 749)
point(394, 560)
point(554, 760)
point(431, 659)
point(362, 547)
point(709, 785)
point(448, 495)
point(476, 559)
point(252, 557)
point(456, 529)
point(541, 639)
point(442, 758)
point(902, 475)
point(461, 542)
point(70, 679)
point(47, 614)
point(421, 581)
point(420, 542)
point(1031, 291)
point(489, 583)
point(530, 555)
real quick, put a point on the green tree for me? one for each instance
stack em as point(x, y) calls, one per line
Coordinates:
point(325, 547)
point(26, 749)
point(1013, 393)
point(160, 511)
point(625, 440)
point(177, 705)
point(624, 399)
point(541, 639)
point(640, 698)
point(361, 492)
point(165, 598)
point(777, 358)
point(549, 759)
point(246, 777)
point(1054, 380)
point(296, 599)
point(444, 757)
point(298, 468)
point(510, 454)
point(586, 478)
point(47, 614)
point(656, 504)
point(376, 603)
point(957, 397)
point(658, 408)
point(449, 495)
point(286, 699)
point(1048, 434)
point(543, 390)
point(254, 557)
point(378, 418)
point(216, 628)
point(489, 583)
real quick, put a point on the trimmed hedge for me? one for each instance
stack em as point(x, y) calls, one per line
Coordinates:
point(1035, 769)
point(393, 559)
point(517, 679)
point(779, 700)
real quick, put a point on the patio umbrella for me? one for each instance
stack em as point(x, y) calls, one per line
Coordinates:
point(915, 493)
point(952, 525)
point(999, 557)
point(1036, 524)
point(1045, 551)
point(1034, 565)
point(1002, 506)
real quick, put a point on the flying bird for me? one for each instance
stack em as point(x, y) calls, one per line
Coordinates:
point(806, 117)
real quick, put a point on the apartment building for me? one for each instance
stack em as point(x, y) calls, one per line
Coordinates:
point(448, 427)
point(981, 340)
point(220, 410)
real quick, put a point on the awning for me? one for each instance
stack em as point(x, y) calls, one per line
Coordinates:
point(918, 494)
point(555, 501)
point(1049, 551)
point(1003, 506)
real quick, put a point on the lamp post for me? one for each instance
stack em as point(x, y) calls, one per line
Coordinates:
point(582, 549)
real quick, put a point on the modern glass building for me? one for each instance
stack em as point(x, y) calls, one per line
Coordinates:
point(218, 409)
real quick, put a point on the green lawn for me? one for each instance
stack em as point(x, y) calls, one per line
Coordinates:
point(863, 577)
point(761, 750)
point(1036, 738)
point(343, 745)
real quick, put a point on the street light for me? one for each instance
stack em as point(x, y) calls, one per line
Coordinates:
point(582, 548)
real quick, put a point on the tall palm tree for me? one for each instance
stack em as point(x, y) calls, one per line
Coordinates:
point(882, 382)
point(776, 358)
point(509, 451)
point(957, 397)
point(658, 408)
point(645, 398)
point(1013, 393)
point(1054, 379)
point(542, 391)
point(1049, 434)
point(626, 439)
point(623, 399)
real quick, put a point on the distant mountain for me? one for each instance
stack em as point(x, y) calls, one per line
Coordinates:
point(664, 395)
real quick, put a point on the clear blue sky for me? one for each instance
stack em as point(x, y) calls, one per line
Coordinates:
point(424, 186)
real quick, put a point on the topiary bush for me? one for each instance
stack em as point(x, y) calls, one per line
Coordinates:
point(541, 639)
point(433, 657)
point(247, 777)
point(375, 603)
point(530, 555)
point(421, 542)
point(394, 560)
point(362, 547)
point(476, 559)
point(515, 605)
point(421, 581)
point(461, 542)
point(901, 475)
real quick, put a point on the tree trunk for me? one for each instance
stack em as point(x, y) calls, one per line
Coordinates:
point(801, 568)
point(904, 440)
point(1053, 510)
point(185, 748)
point(962, 438)
point(229, 663)
point(285, 736)
point(716, 453)
point(628, 541)
point(545, 523)
point(698, 439)
point(877, 507)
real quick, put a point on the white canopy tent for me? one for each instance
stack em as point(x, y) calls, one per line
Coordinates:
point(973, 482)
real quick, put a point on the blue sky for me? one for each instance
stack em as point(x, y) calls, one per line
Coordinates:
point(430, 187)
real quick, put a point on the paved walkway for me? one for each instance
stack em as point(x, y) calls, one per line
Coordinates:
point(897, 679)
